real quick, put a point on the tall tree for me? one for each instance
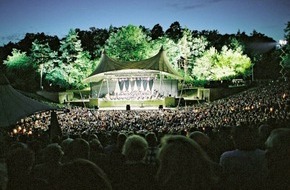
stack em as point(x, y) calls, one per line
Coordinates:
point(20, 71)
point(130, 43)
point(227, 64)
point(157, 32)
point(74, 64)
point(43, 58)
point(189, 49)
point(174, 31)
point(18, 60)
point(93, 40)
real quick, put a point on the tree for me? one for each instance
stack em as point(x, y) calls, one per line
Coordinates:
point(174, 32)
point(43, 58)
point(203, 65)
point(227, 64)
point(18, 60)
point(73, 66)
point(20, 71)
point(93, 40)
point(130, 43)
point(26, 43)
point(157, 32)
point(190, 49)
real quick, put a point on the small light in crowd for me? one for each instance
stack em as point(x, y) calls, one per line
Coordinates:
point(271, 109)
point(15, 131)
point(284, 96)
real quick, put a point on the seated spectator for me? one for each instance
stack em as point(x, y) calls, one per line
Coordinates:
point(19, 164)
point(153, 149)
point(65, 148)
point(78, 148)
point(183, 165)
point(245, 167)
point(3, 167)
point(113, 143)
point(116, 158)
point(203, 141)
point(136, 174)
point(82, 174)
point(50, 167)
point(200, 138)
point(97, 154)
point(278, 154)
point(264, 131)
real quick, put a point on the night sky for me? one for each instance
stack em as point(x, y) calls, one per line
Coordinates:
point(56, 17)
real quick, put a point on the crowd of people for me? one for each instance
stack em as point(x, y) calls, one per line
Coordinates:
point(239, 142)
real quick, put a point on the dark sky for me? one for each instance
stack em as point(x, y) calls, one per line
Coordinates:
point(56, 17)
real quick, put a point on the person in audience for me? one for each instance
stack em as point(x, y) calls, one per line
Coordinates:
point(113, 143)
point(97, 154)
point(51, 165)
point(116, 159)
point(82, 174)
point(264, 131)
point(245, 167)
point(19, 165)
point(183, 165)
point(79, 148)
point(278, 154)
point(203, 141)
point(153, 149)
point(3, 166)
point(136, 174)
point(200, 138)
point(65, 148)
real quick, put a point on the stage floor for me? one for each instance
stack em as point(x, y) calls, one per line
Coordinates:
point(131, 108)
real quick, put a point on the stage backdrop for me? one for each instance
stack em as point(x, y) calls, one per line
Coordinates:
point(164, 87)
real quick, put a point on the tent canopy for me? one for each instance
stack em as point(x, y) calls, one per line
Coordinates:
point(15, 106)
point(148, 67)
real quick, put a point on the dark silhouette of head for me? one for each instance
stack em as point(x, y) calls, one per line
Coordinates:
point(135, 148)
point(183, 164)
point(82, 174)
point(78, 148)
point(244, 137)
point(278, 154)
point(151, 139)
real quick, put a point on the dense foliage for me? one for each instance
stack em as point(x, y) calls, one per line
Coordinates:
point(204, 55)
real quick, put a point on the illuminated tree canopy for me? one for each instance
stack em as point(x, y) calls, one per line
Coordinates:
point(189, 53)
point(18, 60)
point(74, 64)
point(130, 43)
point(219, 66)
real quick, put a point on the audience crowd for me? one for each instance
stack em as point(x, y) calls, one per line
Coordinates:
point(239, 142)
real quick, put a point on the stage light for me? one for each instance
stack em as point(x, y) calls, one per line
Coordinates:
point(280, 46)
point(282, 42)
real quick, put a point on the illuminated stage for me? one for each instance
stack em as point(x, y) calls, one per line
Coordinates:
point(133, 104)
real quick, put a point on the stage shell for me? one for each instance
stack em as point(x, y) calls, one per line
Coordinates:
point(149, 80)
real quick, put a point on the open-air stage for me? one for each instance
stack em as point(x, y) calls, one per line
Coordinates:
point(163, 103)
point(104, 104)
